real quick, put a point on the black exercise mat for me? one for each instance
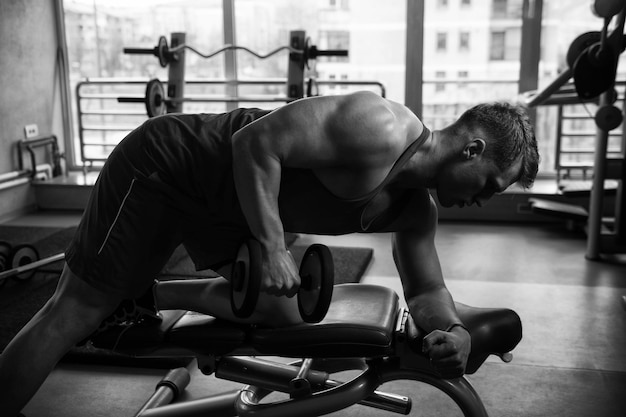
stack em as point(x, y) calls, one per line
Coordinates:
point(19, 301)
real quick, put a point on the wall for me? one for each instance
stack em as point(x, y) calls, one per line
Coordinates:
point(31, 90)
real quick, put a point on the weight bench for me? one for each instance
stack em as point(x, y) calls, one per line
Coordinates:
point(365, 330)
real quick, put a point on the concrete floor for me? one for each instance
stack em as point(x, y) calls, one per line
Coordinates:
point(571, 361)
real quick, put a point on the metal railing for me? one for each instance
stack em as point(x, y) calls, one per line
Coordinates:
point(103, 121)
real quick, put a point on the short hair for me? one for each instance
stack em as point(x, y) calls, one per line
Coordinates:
point(510, 136)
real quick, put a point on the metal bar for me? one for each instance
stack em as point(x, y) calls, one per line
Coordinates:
point(168, 389)
point(114, 112)
point(260, 99)
point(382, 400)
point(33, 265)
point(319, 403)
point(230, 56)
point(594, 223)
point(413, 96)
point(102, 144)
point(559, 82)
point(459, 389)
point(222, 405)
point(110, 129)
point(143, 81)
point(176, 74)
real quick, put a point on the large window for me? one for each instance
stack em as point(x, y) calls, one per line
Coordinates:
point(98, 31)
point(485, 63)
point(471, 54)
point(373, 35)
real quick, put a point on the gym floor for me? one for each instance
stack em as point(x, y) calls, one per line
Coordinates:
point(571, 361)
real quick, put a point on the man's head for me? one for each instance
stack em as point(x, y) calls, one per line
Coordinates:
point(491, 146)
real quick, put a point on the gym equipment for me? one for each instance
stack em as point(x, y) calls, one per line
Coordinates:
point(165, 54)
point(246, 279)
point(24, 261)
point(168, 389)
point(366, 332)
point(316, 275)
point(301, 52)
point(5, 257)
point(158, 103)
point(23, 255)
point(592, 63)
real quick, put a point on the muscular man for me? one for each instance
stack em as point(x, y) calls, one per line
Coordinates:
point(325, 165)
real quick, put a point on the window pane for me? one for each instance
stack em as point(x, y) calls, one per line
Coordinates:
point(489, 36)
point(97, 32)
point(464, 41)
point(441, 41)
point(374, 36)
point(563, 22)
point(498, 46)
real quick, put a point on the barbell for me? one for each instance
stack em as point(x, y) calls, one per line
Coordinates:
point(165, 54)
point(22, 261)
point(316, 275)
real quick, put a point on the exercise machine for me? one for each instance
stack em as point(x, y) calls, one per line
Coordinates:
point(158, 102)
point(365, 332)
point(592, 64)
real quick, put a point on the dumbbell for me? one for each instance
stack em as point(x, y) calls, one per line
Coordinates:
point(316, 275)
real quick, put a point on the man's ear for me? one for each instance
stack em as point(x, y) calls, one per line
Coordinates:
point(474, 148)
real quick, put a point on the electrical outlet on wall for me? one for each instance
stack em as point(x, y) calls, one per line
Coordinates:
point(31, 131)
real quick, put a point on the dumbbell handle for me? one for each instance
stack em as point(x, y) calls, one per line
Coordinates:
point(33, 265)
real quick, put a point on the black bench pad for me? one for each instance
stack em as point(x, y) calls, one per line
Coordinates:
point(360, 322)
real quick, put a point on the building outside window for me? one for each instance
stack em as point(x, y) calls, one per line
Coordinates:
point(498, 46)
point(442, 40)
point(464, 41)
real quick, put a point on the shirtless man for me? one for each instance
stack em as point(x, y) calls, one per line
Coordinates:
point(326, 165)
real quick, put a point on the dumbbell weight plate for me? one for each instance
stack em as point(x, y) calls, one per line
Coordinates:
point(245, 279)
point(155, 98)
point(24, 255)
point(317, 273)
point(5, 256)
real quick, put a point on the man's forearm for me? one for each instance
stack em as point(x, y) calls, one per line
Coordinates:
point(434, 310)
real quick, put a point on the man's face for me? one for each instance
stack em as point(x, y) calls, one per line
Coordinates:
point(474, 181)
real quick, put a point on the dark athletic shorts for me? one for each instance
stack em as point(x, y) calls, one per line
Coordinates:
point(133, 223)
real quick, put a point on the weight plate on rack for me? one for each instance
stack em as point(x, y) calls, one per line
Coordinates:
point(155, 98)
point(579, 44)
point(162, 52)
